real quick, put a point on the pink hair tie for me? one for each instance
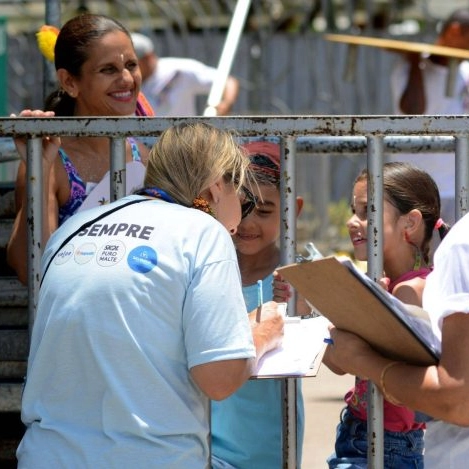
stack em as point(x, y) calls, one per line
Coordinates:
point(439, 223)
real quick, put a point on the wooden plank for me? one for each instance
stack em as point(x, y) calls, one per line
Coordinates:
point(399, 46)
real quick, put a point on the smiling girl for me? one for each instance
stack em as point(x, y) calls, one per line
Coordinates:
point(411, 212)
point(247, 427)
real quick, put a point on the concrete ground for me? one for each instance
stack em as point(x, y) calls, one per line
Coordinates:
point(323, 398)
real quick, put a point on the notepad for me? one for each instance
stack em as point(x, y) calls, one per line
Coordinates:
point(301, 352)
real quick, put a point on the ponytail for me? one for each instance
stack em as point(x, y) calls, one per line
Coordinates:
point(442, 227)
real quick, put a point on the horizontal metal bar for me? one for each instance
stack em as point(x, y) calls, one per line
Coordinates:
point(393, 144)
point(343, 145)
point(298, 126)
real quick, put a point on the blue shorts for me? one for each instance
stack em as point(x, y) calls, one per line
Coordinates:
point(401, 450)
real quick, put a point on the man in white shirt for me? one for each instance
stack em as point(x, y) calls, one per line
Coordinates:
point(171, 85)
point(418, 86)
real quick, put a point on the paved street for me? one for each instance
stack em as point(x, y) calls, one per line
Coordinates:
point(323, 398)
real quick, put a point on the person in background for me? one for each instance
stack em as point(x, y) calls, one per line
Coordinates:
point(98, 75)
point(121, 369)
point(247, 427)
point(172, 84)
point(419, 84)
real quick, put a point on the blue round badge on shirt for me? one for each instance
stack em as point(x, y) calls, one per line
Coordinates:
point(142, 259)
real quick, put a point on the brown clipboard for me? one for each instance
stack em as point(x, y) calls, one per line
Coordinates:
point(353, 302)
point(399, 46)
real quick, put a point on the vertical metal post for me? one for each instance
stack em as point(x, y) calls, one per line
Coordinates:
point(462, 176)
point(3, 66)
point(453, 66)
point(53, 14)
point(118, 171)
point(34, 183)
point(287, 256)
point(323, 196)
point(328, 10)
point(52, 18)
point(375, 151)
point(351, 63)
point(34, 207)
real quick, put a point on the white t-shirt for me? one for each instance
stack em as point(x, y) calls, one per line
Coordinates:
point(174, 85)
point(440, 166)
point(447, 291)
point(125, 310)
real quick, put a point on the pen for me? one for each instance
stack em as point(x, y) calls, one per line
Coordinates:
point(260, 300)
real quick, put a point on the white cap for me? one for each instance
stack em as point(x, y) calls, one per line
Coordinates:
point(143, 45)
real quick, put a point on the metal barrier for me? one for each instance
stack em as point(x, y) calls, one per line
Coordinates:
point(373, 134)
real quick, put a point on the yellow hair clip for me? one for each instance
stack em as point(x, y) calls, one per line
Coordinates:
point(46, 39)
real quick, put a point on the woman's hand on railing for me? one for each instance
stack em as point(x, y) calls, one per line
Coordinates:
point(50, 144)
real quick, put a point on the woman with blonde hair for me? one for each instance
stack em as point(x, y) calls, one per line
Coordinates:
point(141, 318)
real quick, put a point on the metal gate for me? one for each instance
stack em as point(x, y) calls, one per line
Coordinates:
point(373, 135)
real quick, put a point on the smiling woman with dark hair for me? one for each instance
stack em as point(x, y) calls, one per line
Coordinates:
point(98, 75)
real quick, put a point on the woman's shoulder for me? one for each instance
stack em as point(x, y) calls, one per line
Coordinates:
point(410, 290)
